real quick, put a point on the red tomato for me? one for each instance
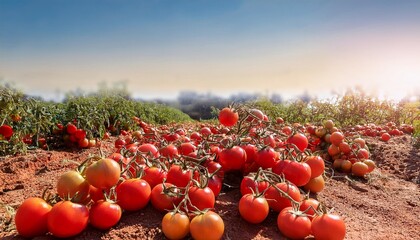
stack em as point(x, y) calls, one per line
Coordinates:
point(359, 169)
point(201, 198)
point(67, 219)
point(277, 201)
point(178, 176)
point(251, 152)
point(249, 184)
point(103, 174)
point(255, 115)
point(232, 158)
point(104, 214)
point(317, 165)
point(228, 117)
point(294, 224)
point(161, 201)
point(133, 194)
point(169, 151)
point(328, 227)
point(299, 140)
point(309, 206)
point(186, 148)
point(363, 154)
point(336, 138)
point(266, 158)
point(207, 226)
point(253, 209)
point(345, 148)
point(31, 217)
point(6, 131)
point(371, 165)
point(175, 225)
point(148, 149)
point(299, 173)
point(154, 176)
point(215, 183)
point(71, 129)
point(315, 185)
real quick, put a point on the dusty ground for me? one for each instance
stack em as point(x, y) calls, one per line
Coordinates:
point(385, 205)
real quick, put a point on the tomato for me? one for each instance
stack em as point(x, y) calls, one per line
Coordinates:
point(315, 184)
point(175, 225)
point(201, 198)
point(161, 201)
point(328, 227)
point(96, 194)
point(294, 224)
point(309, 206)
point(215, 183)
point(133, 194)
point(67, 219)
point(279, 120)
point(253, 209)
point(232, 158)
point(317, 165)
point(299, 173)
point(336, 138)
point(178, 176)
point(83, 143)
point(277, 201)
point(196, 136)
point(333, 150)
point(320, 132)
point(385, 137)
point(80, 134)
point(103, 174)
point(360, 141)
point(249, 185)
point(71, 183)
point(329, 124)
point(299, 140)
point(169, 151)
point(251, 152)
point(207, 226)
point(371, 165)
point(344, 148)
point(363, 153)
point(71, 128)
point(149, 149)
point(359, 169)
point(154, 176)
point(6, 131)
point(287, 130)
point(266, 157)
point(31, 217)
point(346, 166)
point(104, 214)
point(186, 148)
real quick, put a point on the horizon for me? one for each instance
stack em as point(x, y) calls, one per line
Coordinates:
point(160, 48)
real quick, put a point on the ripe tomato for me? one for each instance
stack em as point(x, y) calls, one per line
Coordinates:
point(266, 158)
point(154, 176)
point(346, 165)
point(67, 219)
point(359, 169)
point(333, 150)
point(299, 173)
point(71, 128)
point(299, 140)
point(148, 149)
point(360, 142)
point(186, 148)
point(255, 115)
point(207, 226)
point(161, 201)
point(249, 184)
point(232, 158)
point(329, 124)
point(175, 225)
point(71, 183)
point(277, 201)
point(169, 151)
point(329, 227)
point(215, 183)
point(6, 131)
point(363, 154)
point(345, 148)
point(178, 176)
point(309, 206)
point(251, 152)
point(201, 198)
point(104, 214)
point(103, 174)
point(336, 138)
point(315, 185)
point(294, 224)
point(317, 165)
point(133, 194)
point(31, 217)
point(253, 209)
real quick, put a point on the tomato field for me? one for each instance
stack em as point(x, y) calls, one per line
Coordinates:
point(105, 166)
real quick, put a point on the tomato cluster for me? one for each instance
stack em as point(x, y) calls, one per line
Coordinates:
point(181, 169)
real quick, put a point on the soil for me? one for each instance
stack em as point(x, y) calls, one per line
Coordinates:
point(383, 205)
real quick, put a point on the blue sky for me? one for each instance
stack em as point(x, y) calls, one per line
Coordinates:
point(162, 47)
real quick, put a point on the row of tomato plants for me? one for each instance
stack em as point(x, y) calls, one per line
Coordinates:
point(181, 170)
